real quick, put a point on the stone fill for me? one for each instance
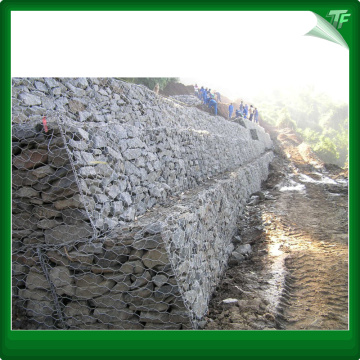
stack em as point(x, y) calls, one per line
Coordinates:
point(124, 210)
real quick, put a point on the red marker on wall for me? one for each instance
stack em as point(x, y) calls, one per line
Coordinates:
point(45, 124)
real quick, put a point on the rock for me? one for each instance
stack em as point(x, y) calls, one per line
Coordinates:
point(112, 315)
point(103, 170)
point(40, 295)
point(42, 171)
point(41, 86)
point(101, 198)
point(29, 159)
point(40, 310)
point(85, 259)
point(111, 300)
point(116, 208)
point(99, 142)
point(74, 202)
point(76, 308)
point(126, 198)
point(76, 106)
point(68, 233)
point(48, 223)
point(128, 215)
point(58, 157)
point(160, 280)
point(90, 286)
point(87, 171)
point(51, 83)
point(132, 154)
point(161, 326)
point(36, 280)
point(154, 258)
point(154, 317)
point(29, 99)
point(84, 115)
point(132, 267)
point(244, 249)
point(141, 280)
point(26, 192)
point(62, 280)
point(91, 248)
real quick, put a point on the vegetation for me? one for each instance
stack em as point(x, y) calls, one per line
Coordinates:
point(151, 82)
point(322, 122)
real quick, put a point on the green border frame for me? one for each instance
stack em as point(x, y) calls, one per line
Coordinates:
point(178, 344)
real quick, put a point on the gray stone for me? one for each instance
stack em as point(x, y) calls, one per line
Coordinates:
point(50, 82)
point(87, 171)
point(139, 281)
point(39, 309)
point(103, 170)
point(68, 233)
point(84, 115)
point(76, 308)
point(132, 267)
point(112, 315)
point(29, 99)
point(128, 215)
point(154, 258)
point(83, 134)
point(151, 242)
point(90, 286)
point(80, 145)
point(244, 249)
point(83, 258)
point(48, 223)
point(76, 106)
point(26, 192)
point(126, 198)
point(99, 142)
point(116, 208)
point(36, 280)
point(91, 248)
point(58, 157)
point(41, 86)
point(160, 280)
point(46, 212)
point(29, 159)
point(74, 202)
point(111, 300)
point(42, 171)
point(39, 295)
point(132, 154)
point(101, 198)
point(62, 280)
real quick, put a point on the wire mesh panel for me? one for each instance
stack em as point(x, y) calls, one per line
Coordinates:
point(124, 205)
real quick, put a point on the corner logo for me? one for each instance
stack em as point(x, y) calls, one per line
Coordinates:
point(338, 17)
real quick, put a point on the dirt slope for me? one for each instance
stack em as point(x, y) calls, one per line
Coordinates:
point(296, 275)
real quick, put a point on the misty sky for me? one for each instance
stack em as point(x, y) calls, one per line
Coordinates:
point(241, 54)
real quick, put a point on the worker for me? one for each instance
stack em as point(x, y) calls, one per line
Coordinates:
point(231, 109)
point(251, 112)
point(256, 116)
point(241, 106)
point(245, 112)
point(213, 104)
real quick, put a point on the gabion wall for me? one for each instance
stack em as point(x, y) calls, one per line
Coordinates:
point(124, 204)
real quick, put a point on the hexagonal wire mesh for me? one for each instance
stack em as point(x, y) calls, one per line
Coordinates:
point(103, 236)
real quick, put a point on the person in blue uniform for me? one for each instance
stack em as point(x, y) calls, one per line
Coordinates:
point(231, 109)
point(213, 104)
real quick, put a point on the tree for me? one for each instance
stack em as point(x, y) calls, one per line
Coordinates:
point(285, 120)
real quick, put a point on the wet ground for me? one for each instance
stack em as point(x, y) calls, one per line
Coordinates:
point(294, 274)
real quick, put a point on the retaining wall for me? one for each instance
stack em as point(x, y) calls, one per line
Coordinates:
point(124, 209)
